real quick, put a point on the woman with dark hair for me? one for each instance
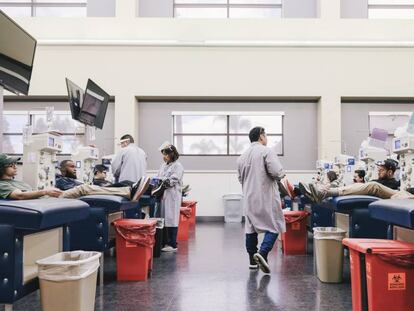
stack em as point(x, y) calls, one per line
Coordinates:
point(171, 173)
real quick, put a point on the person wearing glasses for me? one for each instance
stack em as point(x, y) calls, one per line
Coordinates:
point(99, 176)
point(259, 171)
point(13, 189)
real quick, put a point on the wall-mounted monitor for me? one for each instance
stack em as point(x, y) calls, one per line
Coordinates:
point(17, 50)
point(75, 97)
point(94, 106)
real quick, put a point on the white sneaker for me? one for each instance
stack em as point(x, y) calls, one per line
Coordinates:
point(168, 249)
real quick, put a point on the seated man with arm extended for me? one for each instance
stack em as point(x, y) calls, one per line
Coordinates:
point(67, 180)
point(18, 190)
point(385, 187)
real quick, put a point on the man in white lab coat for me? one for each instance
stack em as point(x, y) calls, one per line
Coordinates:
point(130, 163)
point(259, 169)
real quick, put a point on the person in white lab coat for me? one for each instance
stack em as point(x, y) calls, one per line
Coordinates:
point(171, 172)
point(130, 163)
point(259, 169)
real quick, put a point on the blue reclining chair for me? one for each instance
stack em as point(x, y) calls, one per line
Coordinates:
point(351, 213)
point(31, 230)
point(398, 214)
point(95, 233)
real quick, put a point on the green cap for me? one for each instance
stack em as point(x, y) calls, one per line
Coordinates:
point(6, 160)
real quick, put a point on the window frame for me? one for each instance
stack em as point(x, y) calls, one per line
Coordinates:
point(228, 6)
point(389, 6)
point(31, 115)
point(228, 134)
point(33, 5)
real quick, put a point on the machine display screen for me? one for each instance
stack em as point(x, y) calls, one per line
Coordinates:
point(397, 144)
point(78, 164)
point(349, 169)
point(51, 142)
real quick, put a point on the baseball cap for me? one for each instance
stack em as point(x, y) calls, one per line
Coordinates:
point(389, 164)
point(5, 159)
point(99, 168)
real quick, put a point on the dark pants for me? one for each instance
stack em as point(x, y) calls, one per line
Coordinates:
point(172, 236)
point(267, 244)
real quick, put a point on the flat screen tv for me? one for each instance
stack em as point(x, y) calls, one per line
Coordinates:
point(75, 96)
point(94, 106)
point(17, 50)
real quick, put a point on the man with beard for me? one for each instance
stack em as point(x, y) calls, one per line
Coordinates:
point(67, 180)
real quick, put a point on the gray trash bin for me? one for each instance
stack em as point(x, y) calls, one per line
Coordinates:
point(233, 207)
point(328, 253)
point(68, 281)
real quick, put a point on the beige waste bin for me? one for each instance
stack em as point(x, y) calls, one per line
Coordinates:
point(328, 253)
point(68, 281)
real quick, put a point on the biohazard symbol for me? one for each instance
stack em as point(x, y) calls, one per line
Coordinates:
point(396, 281)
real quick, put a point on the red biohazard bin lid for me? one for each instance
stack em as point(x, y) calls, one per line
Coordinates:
point(294, 216)
point(135, 223)
point(188, 203)
point(378, 246)
point(185, 211)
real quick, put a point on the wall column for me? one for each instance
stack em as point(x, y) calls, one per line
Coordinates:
point(329, 127)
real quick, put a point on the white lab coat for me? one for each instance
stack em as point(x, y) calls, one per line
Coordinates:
point(258, 170)
point(171, 199)
point(130, 163)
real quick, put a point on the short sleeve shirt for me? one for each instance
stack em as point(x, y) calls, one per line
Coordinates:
point(8, 186)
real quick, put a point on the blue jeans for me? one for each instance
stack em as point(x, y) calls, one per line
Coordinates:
point(172, 236)
point(267, 244)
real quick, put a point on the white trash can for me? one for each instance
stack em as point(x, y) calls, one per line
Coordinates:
point(68, 281)
point(233, 207)
point(328, 253)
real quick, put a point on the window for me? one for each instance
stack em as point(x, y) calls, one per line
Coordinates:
point(62, 8)
point(14, 122)
point(396, 9)
point(223, 133)
point(227, 8)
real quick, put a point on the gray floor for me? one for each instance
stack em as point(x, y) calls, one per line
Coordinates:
point(210, 272)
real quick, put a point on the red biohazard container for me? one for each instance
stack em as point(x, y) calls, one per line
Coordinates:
point(184, 225)
point(134, 246)
point(295, 238)
point(382, 274)
point(193, 206)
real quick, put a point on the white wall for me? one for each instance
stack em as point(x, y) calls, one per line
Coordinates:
point(132, 57)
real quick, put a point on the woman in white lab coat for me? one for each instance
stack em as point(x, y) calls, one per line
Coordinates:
point(171, 171)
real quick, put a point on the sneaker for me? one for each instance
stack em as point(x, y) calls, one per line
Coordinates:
point(185, 188)
point(160, 188)
point(168, 249)
point(282, 189)
point(261, 260)
point(139, 188)
point(253, 264)
point(317, 194)
point(305, 190)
